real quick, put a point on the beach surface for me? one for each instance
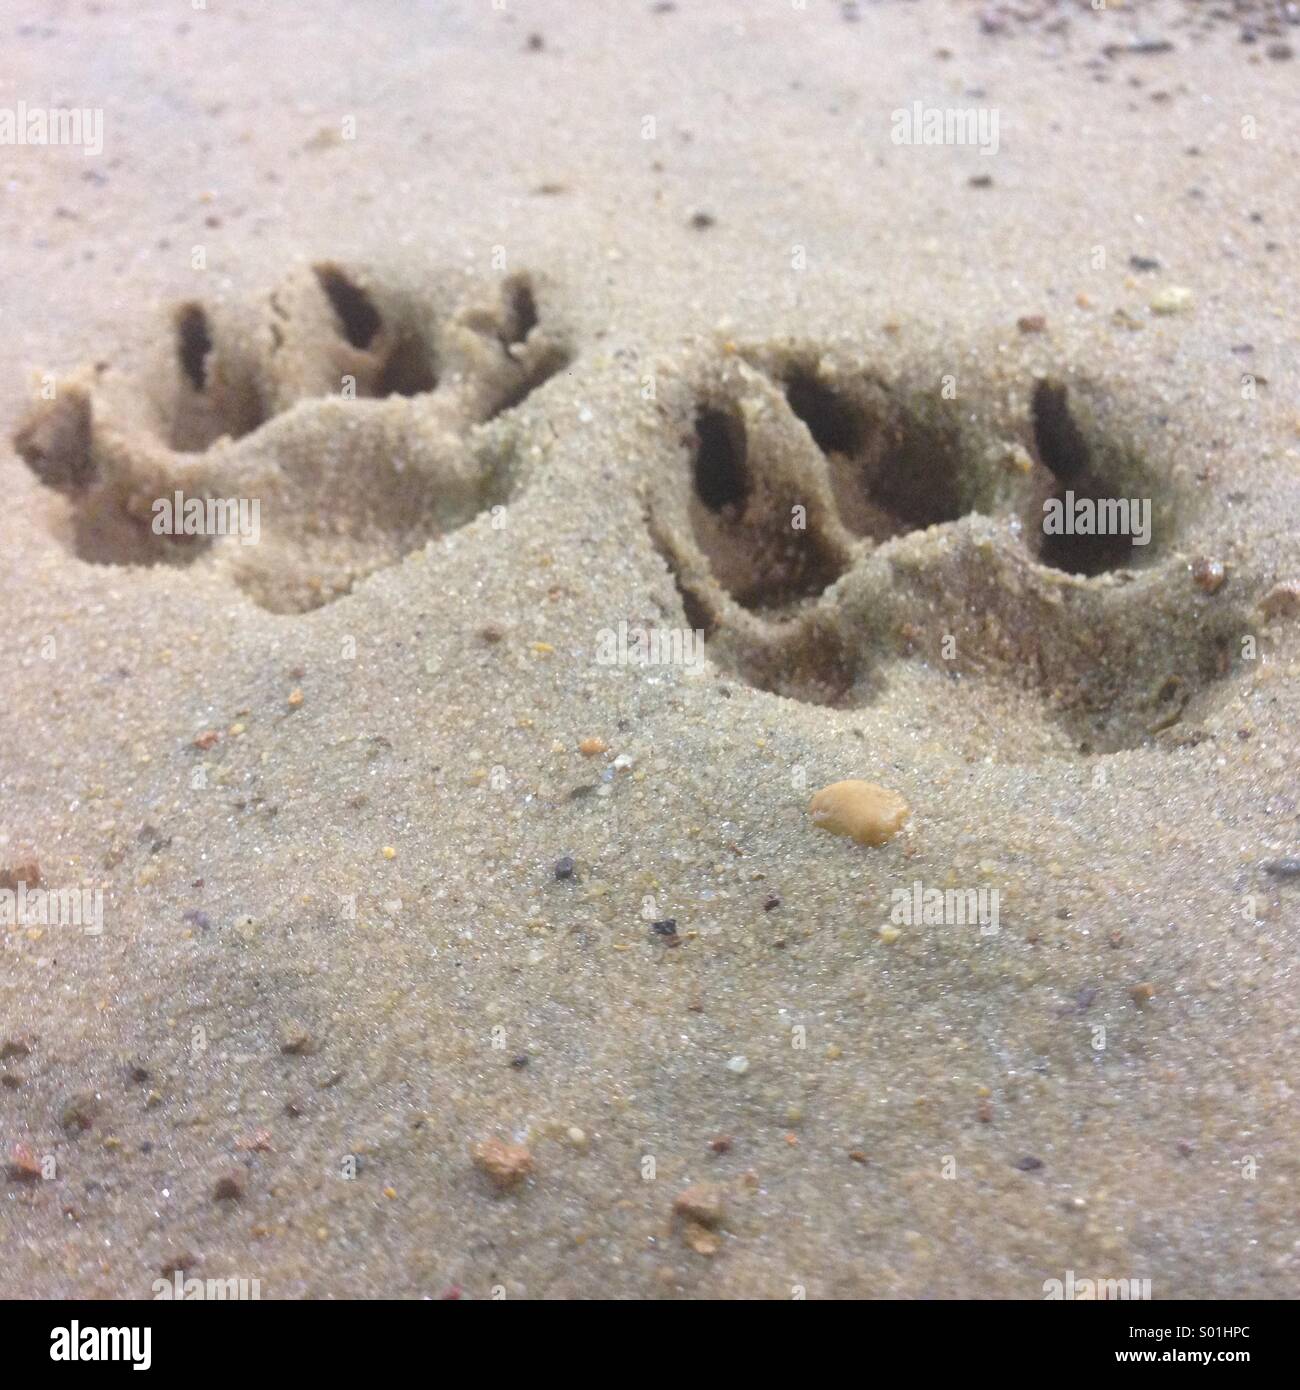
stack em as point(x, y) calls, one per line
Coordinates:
point(648, 426)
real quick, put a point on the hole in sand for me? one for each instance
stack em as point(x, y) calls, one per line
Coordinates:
point(357, 315)
point(748, 532)
point(193, 344)
point(835, 426)
point(1062, 449)
point(720, 476)
point(408, 370)
point(1060, 445)
point(893, 469)
point(406, 366)
point(522, 312)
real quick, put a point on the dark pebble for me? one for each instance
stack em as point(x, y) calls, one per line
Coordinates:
point(1144, 263)
point(1283, 868)
point(227, 1190)
point(771, 902)
point(79, 1114)
point(1029, 1163)
point(668, 927)
point(519, 1062)
point(564, 867)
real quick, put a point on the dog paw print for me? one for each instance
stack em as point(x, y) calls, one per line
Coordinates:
point(847, 526)
point(322, 433)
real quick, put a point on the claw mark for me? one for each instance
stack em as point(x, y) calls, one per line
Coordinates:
point(194, 343)
point(357, 315)
point(1064, 452)
point(721, 480)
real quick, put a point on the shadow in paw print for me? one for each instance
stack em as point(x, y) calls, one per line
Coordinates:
point(838, 529)
point(1060, 447)
point(740, 520)
point(892, 468)
point(353, 413)
point(397, 362)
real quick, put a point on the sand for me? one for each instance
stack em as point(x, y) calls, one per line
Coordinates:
point(617, 290)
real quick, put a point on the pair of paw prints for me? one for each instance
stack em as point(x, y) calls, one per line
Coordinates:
point(349, 408)
point(843, 528)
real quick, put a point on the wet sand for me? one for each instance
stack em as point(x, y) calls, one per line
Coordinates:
point(616, 293)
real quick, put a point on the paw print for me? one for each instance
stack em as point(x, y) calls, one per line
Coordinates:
point(354, 414)
point(848, 526)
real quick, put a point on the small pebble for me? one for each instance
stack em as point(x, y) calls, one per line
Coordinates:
point(79, 1114)
point(1174, 299)
point(28, 873)
point(1208, 574)
point(701, 1203)
point(227, 1190)
point(740, 1065)
point(702, 1240)
point(868, 813)
point(1029, 1163)
point(593, 747)
point(668, 927)
point(564, 867)
point(1032, 323)
point(771, 902)
point(506, 1164)
point(1281, 601)
point(23, 1165)
point(295, 1040)
point(1288, 867)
